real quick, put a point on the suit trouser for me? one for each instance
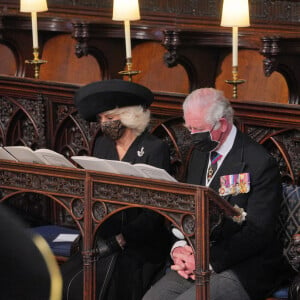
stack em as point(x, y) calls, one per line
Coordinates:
point(223, 286)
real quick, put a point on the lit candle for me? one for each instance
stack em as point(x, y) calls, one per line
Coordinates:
point(34, 29)
point(126, 10)
point(127, 38)
point(234, 46)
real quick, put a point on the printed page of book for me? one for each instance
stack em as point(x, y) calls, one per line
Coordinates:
point(5, 155)
point(126, 168)
point(94, 163)
point(24, 154)
point(154, 172)
point(106, 165)
point(53, 158)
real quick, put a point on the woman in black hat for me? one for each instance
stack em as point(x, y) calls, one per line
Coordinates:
point(133, 245)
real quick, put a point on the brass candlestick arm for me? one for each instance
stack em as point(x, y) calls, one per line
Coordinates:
point(36, 62)
point(235, 81)
point(129, 72)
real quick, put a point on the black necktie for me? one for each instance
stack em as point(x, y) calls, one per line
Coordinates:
point(214, 157)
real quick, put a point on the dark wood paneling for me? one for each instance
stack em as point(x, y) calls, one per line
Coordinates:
point(257, 86)
point(8, 64)
point(268, 13)
point(64, 66)
point(155, 74)
point(172, 58)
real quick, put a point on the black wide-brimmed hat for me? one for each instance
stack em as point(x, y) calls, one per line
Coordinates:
point(101, 96)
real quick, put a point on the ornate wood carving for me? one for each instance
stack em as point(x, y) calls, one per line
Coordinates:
point(142, 196)
point(35, 181)
point(48, 118)
point(282, 55)
point(171, 42)
point(278, 129)
point(23, 121)
point(175, 12)
point(69, 128)
point(270, 49)
point(81, 35)
point(177, 137)
point(36, 184)
point(191, 203)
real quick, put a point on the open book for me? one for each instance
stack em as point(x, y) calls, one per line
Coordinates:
point(39, 156)
point(122, 167)
point(6, 155)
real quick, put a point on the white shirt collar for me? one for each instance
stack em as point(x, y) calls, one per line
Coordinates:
point(228, 143)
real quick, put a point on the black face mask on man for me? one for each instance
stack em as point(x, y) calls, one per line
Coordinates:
point(113, 129)
point(204, 142)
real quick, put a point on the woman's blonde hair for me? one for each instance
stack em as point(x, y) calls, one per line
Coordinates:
point(136, 117)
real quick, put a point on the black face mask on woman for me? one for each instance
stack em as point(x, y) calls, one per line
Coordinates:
point(113, 129)
point(204, 142)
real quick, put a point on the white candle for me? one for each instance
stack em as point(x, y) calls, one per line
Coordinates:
point(34, 30)
point(234, 46)
point(127, 38)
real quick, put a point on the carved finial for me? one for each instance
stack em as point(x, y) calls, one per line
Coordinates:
point(270, 50)
point(171, 42)
point(80, 34)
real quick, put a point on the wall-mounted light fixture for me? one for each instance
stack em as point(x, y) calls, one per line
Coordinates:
point(127, 10)
point(34, 6)
point(235, 14)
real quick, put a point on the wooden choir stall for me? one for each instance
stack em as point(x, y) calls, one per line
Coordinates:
point(92, 197)
point(41, 114)
point(178, 46)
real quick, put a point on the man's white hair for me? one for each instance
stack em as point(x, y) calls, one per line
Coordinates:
point(218, 105)
point(136, 117)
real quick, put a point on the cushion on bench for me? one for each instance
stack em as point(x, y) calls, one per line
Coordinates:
point(283, 293)
point(289, 220)
point(50, 232)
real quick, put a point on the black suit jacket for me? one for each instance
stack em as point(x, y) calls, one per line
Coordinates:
point(250, 249)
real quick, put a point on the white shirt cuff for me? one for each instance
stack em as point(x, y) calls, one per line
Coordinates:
point(180, 243)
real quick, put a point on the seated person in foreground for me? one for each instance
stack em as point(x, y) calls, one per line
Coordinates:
point(132, 245)
point(245, 258)
point(28, 268)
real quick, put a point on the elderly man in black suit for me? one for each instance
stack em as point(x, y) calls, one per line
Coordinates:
point(245, 258)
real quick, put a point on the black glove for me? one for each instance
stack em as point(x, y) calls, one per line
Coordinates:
point(107, 247)
point(76, 246)
point(294, 289)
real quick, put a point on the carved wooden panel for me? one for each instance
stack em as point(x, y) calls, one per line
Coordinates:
point(178, 138)
point(8, 64)
point(49, 119)
point(177, 11)
point(72, 135)
point(23, 121)
point(101, 194)
point(45, 191)
point(40, 114)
